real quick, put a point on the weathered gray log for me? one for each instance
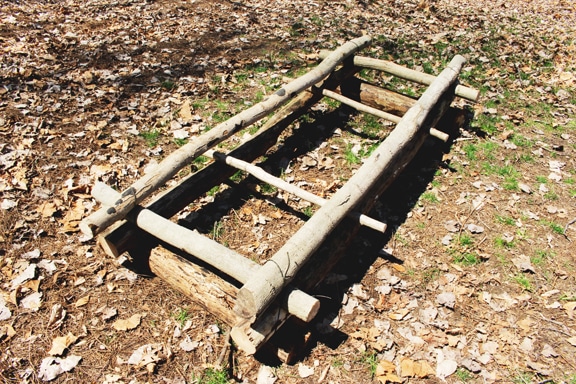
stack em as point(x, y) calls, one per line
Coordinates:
point(262, 175)
point(376, 112)
point(390, 157)
point(211, 252)
point(172, 164)
point(216, 295)
point(407, 74)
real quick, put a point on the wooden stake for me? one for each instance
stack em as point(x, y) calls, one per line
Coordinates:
point(150, 182)
point(386, 161)
point(407, 74)
point(262, 175)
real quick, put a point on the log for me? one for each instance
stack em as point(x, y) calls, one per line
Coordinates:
point(387, 160)
point(376, 112)
point(172, 164)
point(211, 252)
point(262, 175)
point(124, 236)
point(377, 97)
point(213, 293)
point(407, 74)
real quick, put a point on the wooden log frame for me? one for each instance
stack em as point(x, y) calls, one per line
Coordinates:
point(385, 162)
point(229, 262)
point(266, 298)
point(178, 159)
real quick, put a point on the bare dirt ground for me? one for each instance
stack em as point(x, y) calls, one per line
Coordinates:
point(473, 282)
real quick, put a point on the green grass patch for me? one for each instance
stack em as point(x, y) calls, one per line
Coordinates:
point(505, 220)
point(350, 157)
point(308, 211)
point(267, 189)
point(370, 359)
point(181, 316)
point(217, 230)
point(501, 242)
point(151, 137)
point(542, 179)
point(556, 228)
point(180, 142)
point(541, 256)
point(238, 176)
point(465, 240)
point(429, 197)
point(168, 85)
point(464, 375)
point(466, 259)
point(521, 141)
point(213, 376)
point(524, 281)
point(213, 191)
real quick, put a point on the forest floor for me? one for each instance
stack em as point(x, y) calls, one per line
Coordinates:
point(474, 281)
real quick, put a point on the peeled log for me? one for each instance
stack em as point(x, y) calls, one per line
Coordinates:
point(386, 161)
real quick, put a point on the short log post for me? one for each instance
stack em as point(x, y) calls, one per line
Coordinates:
point(388, 159)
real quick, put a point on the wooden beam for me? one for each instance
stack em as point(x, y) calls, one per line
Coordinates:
point(407, 74)
point(178, 159)
point(387, 160)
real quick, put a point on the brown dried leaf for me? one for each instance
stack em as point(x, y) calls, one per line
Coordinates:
point(399, 315)
point(570, 307)
point(82, 301)
point(411, 368)
point(59, 344)
point(127, 324)
point(386, 372)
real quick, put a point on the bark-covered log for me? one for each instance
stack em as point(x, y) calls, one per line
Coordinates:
point(376, 112)
point(386, 161)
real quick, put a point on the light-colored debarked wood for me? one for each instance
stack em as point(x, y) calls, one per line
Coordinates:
point(407, 74)
point(262, 175)
point(178, 159)
point(224, 259)
point(388, 159)
point(378, 113)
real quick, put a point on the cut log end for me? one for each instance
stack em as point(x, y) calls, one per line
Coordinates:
point(245, 307)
